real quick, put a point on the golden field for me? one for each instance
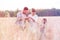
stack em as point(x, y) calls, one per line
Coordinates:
point(9, 30)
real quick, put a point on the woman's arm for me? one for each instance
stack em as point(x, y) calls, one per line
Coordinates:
point(32, 19)
point(19, 16)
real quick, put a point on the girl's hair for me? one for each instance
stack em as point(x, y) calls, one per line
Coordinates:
point(25, 8)
point(33, 10)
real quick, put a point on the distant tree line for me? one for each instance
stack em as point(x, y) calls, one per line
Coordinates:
point(48, 12)
point(40, 12)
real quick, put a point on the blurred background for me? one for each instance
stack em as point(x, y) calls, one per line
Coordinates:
point(43, 7)
point(40, 12)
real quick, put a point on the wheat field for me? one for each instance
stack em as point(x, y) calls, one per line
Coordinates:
point(9, 30)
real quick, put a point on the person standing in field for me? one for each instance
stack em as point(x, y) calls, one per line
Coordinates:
point(33, 18)
point(42, 29)
point(22, 17)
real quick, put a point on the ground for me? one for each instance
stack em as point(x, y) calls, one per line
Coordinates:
point(10, 31)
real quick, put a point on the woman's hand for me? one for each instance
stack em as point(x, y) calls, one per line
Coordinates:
point(26, 18)
point(32, 19)
point(19, 19)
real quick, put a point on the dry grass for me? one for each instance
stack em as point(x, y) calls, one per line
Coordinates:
point(10, 31)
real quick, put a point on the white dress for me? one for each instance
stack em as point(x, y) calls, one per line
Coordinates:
point(34, 27)
point(22, 16)
point(33, 24)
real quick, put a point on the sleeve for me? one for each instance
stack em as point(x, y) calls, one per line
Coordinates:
point(36, 18)
point(19, 16)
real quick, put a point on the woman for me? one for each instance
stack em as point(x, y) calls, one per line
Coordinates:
point(33, 18)
point(21, 17)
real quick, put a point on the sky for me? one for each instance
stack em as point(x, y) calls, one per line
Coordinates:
point(37, 4)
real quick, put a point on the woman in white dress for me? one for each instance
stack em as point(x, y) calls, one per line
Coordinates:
point(34, 25)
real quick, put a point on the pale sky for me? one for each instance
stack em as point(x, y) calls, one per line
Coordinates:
point(20, 4)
